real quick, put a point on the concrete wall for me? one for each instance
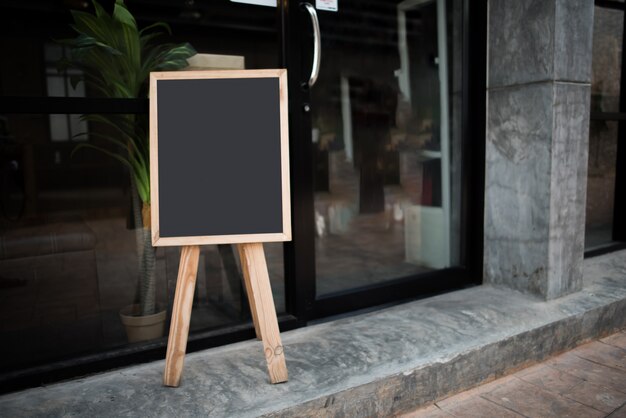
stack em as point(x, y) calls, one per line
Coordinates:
point(539, 74)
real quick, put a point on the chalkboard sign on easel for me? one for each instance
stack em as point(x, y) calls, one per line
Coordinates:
point(219, 169)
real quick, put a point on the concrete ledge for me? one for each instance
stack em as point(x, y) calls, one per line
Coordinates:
point(377, 364)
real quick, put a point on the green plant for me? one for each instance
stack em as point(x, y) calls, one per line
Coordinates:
point(115, 58)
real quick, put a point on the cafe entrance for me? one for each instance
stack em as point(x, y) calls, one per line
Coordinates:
point(386, 115)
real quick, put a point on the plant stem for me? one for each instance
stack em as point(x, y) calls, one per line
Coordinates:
point(137, 222)
point(146, 286)
point(148, 274)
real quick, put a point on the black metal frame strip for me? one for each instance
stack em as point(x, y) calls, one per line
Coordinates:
point(608, 116)
point(406, 289)
point(474, 132)
point(299, 253)
point(610, 4)
point(73, 105)
point(605, 249)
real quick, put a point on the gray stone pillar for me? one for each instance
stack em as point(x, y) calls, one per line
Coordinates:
point(537, 143)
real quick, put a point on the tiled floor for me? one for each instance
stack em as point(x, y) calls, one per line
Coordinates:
point(589, 381)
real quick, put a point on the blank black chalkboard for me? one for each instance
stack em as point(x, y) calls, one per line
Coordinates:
point(219, 163)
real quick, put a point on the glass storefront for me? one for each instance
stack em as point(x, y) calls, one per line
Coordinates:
point(382, 182)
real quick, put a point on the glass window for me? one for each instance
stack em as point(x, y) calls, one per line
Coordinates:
point(73, 247)
point(608, 39)
point(387, 143)
point(58, 83)
point(607, 59)
point(601, 183)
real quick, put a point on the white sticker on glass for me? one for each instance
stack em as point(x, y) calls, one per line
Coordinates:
point(271, 3)
point(330, 5)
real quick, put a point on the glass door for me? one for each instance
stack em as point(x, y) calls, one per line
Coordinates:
point(383, 103)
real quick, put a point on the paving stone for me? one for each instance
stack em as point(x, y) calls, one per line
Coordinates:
point(575, 388)
point(598, 374)
point(429, 412)
point(618, 413)
point(534, 402)
point(471, 403)
point(616, 340)
point(529, 370)
point(478, 407)
point(604, 354)
point(551, 379)
point(473, 393)
point(596, 396)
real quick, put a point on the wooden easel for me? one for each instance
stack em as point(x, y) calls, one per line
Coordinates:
point(257, 281)
point(275, 219)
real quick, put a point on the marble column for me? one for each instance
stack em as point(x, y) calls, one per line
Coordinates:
point(539, 74)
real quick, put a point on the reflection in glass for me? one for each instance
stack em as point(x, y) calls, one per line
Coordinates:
point(608, 30)
point(386, 143)
point(601, 183)
point(605, 93)
point(68, 259)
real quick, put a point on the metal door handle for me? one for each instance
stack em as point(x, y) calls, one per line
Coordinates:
point(317, 43)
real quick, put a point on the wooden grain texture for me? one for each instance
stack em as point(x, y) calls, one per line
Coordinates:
point(215, 62)
point(181, 314)
point(216, 239)
point(246, 281)
point(199, 74)
point(255, 271)
point(285, 235)
point(284, 152)
point(154, 166)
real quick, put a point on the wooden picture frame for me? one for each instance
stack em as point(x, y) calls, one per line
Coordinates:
point(285, 234)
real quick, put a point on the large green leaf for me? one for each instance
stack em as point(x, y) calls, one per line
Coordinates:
point(121, 14)
point(155, 26)
point(100, 28)
point(103, 150)
point(116, 59)
point(100, 12)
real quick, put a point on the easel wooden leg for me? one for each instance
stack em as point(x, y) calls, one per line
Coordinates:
point(246, 280)
point(181, 314)
point(257, 280)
